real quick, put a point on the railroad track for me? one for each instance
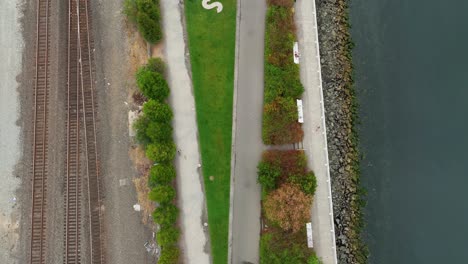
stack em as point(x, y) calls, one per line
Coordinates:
point(89, 117)
point(40, 134)
point(72, 247)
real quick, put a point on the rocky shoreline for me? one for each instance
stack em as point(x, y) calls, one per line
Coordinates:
point(340, 104)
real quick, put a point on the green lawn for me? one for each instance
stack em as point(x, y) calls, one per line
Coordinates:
point(212, 50)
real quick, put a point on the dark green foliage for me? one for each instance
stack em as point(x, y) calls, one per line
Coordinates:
point(145, 13)
point(159, 132)
point(161, 152)
point(280, 248)
point(140, 125)
point(166, 214)
point(162, 194)
point(283, 3)
point(152, 84)
point(158, 112)
point(280, 124)
point(268, 175)
point(167, 236)
point(307, 182)
point(169, 255)
point(156, 65)
point(161, 174)
point(280, 82)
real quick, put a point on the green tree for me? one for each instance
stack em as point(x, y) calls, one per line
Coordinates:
point(161, 174)
point(140, 126)
point(152, 84)
point(161, 152)
point(157, 111)
point(162, 194)
point(169, 255)
point(166, 214)
point(159, 132)
point(307, 182)
point(167, 236)
point(267, 175)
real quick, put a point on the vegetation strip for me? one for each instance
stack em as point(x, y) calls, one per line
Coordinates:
point(154, 131)
point(287, 184)
point(211, 38)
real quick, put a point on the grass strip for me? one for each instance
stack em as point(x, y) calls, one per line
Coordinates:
point(211, 38)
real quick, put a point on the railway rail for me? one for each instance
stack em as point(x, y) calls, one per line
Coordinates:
point(40, 137)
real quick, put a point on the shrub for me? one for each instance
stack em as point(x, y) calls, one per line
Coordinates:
point(162, 194)
point(282, 82)
point(166, 214)
point(152, 84)
point(291, 162)
point(159, 132)
point(307, 182)
point(268, 175)
point(161, 174)
point(169, 255)
point(279, 37)
point(145, 13)
point(167, 236)
point(288, 207)
point(161, 152)
point(278, 248)
point(280, 124)
point(156, 65)
point(157, 111)
point(283, 3)
point(140, 126)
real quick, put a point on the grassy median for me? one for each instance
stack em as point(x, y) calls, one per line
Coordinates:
point(212, 49)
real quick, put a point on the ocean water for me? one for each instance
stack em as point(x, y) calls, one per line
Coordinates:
point(411, 73)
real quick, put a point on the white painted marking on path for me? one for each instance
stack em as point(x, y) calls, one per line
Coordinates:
point(207, 5)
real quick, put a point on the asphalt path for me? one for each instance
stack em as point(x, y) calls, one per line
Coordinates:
point(247, 142)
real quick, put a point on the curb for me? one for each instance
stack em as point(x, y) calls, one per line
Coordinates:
point(233, 137)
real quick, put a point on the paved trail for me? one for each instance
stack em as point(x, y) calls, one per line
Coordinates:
point(247, 148)
point(190, 192)
point(315, 141)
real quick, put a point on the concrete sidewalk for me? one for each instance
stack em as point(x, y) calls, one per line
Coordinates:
point(315, 139)
point(190, 191)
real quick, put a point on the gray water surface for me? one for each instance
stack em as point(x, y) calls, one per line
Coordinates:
point(411, 69)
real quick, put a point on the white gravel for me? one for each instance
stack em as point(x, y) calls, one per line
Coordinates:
point(11, 46)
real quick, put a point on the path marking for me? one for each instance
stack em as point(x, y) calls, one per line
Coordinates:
point(207, 5)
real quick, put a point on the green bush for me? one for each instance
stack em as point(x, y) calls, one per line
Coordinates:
point(268, 175)
point(167, 236)
point(161, 174)
point(166, 214)
point(159, 132)
point(156, 65)
point(161, 152)
point(145, 13)
point(280, 82)
point(152, 84)
point(162, 194)
point(157, 111)
point(271, 253)
point(169, 255)
point(280, 124)
point(140, 126)
point(307, 182)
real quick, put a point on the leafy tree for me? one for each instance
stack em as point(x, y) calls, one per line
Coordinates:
point(157, 111)
point(161, 152)
point(146, 14)
point(152, 84)
point(161, 174)
point(167, 236)
point(159, 132)
point(166, 214)
point(288, 207)
point(162, 194)
point(268, 175)
point(169, 255)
